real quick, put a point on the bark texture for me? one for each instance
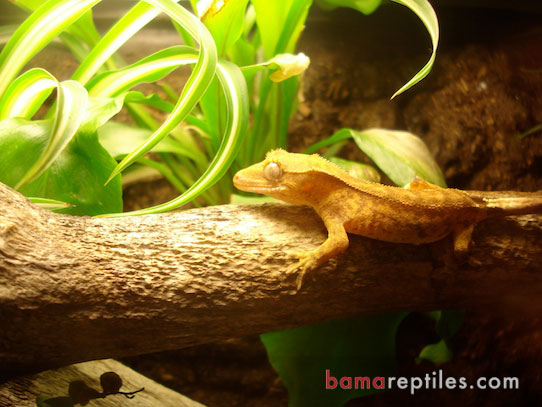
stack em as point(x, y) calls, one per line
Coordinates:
point(74, 289)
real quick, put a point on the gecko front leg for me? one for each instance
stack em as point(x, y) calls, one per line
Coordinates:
point(336, 242)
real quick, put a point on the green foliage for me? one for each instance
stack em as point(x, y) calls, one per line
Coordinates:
point(425, 12)
point(214, 104)
point(36, 32)
point(225, 21)
point(399, 154)
point(357, 170)
point(239, 54)
point(364, 6)
point(302, 355)
point(51, 204)
point(447, 324)
point(76, 177)
point(43, 160)
point(70, 111)
point(361, 346)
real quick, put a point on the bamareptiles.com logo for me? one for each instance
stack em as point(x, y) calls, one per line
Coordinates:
point(433, 380)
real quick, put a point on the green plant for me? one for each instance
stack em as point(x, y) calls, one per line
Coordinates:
point(229, 113)
point(48, 158)
point(215, 101)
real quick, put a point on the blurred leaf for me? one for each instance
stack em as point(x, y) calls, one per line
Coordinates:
point(399, 154)
point(124, 29)
point(280, 23)
point(365, 6)
point(36, 32)
point(360, 346)
point(437, 353)
point(447, 324)
point(224, 19)
point(425, 12)
point(533, 130)
point(76, 177)
point(119, 139)
point(22, 143)
point(71, 105)
point(50, 204)
point(243, 52)
point(83, 28)
point(151, 100)
point(357, 170)
point(99, 111)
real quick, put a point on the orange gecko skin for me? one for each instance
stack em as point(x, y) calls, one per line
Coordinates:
point(420, 213)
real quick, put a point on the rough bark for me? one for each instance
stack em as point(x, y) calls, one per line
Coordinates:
point(23, 391)
point(77, 288)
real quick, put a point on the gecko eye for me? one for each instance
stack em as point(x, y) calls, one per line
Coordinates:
point(272, 172)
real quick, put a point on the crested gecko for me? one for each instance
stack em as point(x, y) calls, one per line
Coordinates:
point(419, 213)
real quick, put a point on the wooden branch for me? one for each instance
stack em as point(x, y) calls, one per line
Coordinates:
point(77, 288)
point(22, 392)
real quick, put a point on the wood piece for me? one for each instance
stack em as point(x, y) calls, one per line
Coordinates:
point(77, 288)
point(23, 391)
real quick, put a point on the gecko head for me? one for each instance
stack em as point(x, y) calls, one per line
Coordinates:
point(281, 175)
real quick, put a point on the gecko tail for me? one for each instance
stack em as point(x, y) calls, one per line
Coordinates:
point(508, 203)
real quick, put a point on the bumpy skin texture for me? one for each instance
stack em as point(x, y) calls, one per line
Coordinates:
point(420, 213)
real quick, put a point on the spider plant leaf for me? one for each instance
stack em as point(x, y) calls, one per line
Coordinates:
point(149, 69)
point(425, 12)
point(71, 107)
point(83, 28)
point(224, 19)
point(118, 139)
point(197, 83)
point(124, 29)
point(288, 14)
point(50, 204)
point(152, 100)
point(36, 32)
point(26, 94)
point(234, 86)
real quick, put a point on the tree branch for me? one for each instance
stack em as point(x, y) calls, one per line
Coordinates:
point(77, 288)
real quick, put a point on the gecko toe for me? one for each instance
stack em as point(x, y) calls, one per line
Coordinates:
point(299, 280)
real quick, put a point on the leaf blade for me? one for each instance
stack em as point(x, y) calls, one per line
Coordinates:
point(71, 108)
point(423, 9)
point(195, 86)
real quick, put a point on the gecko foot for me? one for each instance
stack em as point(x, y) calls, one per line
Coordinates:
point(305, 264)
